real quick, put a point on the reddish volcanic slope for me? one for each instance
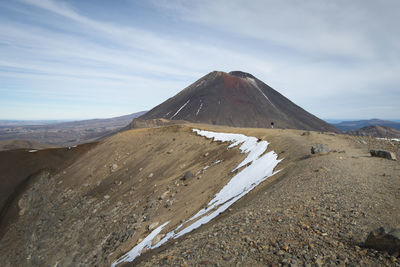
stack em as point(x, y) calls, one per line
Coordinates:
point(236, 99)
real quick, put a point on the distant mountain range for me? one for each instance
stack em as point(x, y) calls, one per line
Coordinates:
point(236, 99)
point(355, 125)
point(376, 131)
point(65, 133)
point(29, 122)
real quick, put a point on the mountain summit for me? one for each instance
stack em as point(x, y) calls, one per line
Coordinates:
point(236, 99)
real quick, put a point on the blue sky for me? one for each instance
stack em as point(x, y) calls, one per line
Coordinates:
point(93, 59)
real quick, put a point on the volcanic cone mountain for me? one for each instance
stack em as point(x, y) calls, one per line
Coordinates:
point(236, 99)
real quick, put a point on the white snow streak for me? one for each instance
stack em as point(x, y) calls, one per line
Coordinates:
point(137, 250)
point(200, 83)
point(260, 166)
point(388, 139)
point(253, 82)
point(197, 113)
point(206, 167)
point(32, 151)
point(176, 113)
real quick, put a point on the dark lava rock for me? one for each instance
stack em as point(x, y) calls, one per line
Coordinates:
point(320, 149)
point(187, 175)
point(383, 154)
point(385, 239)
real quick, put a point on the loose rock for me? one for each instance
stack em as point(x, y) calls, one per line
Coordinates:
point(385, 239)
point(320, 149)
point(157, 239)
point(114, 167)
point(152, 226)
point(383, 154)
point(187, 175)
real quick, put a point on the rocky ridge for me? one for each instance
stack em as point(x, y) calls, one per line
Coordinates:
point(377, 132)
point(316, 211)
point(318, 214)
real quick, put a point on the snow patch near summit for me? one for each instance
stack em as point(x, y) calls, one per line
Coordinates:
point(258, 166)
point(253, 82)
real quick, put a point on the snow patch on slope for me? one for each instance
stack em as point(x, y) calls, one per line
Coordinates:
point(389, 139)
point(137, 250)
point(260, 166)
point(176, 113)
point(201, 105)
point(253, 82)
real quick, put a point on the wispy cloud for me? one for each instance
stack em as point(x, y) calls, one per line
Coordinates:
point(311, 52)
point(320, 28)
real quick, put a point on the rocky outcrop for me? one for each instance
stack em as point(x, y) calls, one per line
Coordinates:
point(385, 239)
point(320, 149)
point(187, 175)
point(383, 154)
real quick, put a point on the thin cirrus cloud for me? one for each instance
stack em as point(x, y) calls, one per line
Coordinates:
point(62, 60)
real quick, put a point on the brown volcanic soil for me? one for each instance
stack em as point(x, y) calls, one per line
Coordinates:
point(19, 167)
point(236, 99)
point(98, 208)
point(22, 144)
point(317, 210)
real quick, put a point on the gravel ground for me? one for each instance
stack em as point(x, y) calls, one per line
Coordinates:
point(317, 212)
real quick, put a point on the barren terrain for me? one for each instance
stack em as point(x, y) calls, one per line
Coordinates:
point(318, 210)
point(376, 131)
point(22, 144)
point(65, 133)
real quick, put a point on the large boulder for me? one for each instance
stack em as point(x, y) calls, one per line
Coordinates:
point(320, 149)
point(385, 239)
point(383, 154)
